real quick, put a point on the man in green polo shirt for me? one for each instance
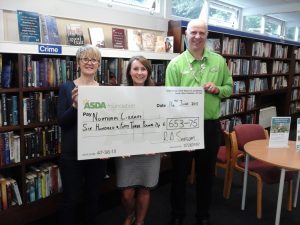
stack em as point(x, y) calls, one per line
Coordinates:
point(198, 66)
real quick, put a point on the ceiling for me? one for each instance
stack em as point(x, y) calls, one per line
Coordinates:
point(286, 10)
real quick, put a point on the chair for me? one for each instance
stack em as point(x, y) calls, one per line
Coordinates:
point(262, 171)
point(224, 162)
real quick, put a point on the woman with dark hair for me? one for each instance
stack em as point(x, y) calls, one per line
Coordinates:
point(138, 174)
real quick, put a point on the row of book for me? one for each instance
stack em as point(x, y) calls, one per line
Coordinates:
point(42, 141)
point(39, 107)
point(238, 66)
point(51, 72)
point(233, 46)
point(9, 148)
point(228, 124)
point(296, 81)
point(42, 181)
point(278, 82)
point(7, 69)
point(9, 193)
point(35, 27)
point(47, 72)
point(281, 51)
point(295, 94)
point(280, 67)
point(261, 49)
point(297, 53)
point(258, 84)
point(9, 111)
point(232, 106)
point(297, 67)
point(294, 107)
point(239, 86)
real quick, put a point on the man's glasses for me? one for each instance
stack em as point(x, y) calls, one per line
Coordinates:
point(87, 60)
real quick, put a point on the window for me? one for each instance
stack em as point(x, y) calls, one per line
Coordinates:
point(252, 23)
point(224, 15)
point(290, 33)
point(187, 9)
point(152, 6)
point(273, 26)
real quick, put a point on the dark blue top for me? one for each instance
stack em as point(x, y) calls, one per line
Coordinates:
point(67, 120)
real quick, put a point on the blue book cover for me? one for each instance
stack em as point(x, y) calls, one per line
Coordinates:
point(6, 74)
point(14, 110)
point(6, 148)
point(49, 30)
point(29, 26)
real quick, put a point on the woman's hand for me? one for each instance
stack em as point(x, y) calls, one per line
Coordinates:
point(75, 97)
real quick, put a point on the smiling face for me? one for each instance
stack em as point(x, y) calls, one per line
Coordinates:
point(88, 64)
point(138, 73)
point(196, 34)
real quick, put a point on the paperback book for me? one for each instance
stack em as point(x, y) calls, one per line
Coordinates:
point(29, 26)
point(97, 36)
point(134, 40)
point(169, 44)
point(74, 34)
point(279, 132)
point(160, 44)
point(118, 38)
point(148, 41)
point(50, 33)
point(213, 44)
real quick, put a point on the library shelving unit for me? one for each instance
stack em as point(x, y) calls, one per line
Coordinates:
point(263, 70)
point(295, 86)
point(29, 134)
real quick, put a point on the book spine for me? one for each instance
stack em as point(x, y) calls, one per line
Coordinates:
point(7, 74)
point(4, 109)
point(4, 193)
point(16, 192)
point(15, 113)
point(6, 148)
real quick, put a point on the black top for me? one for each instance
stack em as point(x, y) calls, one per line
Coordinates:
point(67, 120)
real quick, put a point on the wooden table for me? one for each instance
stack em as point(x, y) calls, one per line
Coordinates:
point(286, 158)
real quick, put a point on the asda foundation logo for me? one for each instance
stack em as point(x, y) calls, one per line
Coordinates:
point(94, 105)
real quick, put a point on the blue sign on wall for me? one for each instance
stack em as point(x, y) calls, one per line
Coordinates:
point(50, 49)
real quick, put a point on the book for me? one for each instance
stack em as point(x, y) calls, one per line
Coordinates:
point(279, 132)
point(74, 34)
point(29, 26)
point(169, 44)
point(3, 193)
point(1, 70)
point(49, 29)
point(7, 72)
point(148, 41)
point(134, 40)
point(97, 36)
point(118, 38)
point(298, 135)
point(160, 44)
point(16, 192)
point(213, 44)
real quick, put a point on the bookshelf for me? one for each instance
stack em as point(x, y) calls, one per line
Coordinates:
point(31, 128)
point(266, 72)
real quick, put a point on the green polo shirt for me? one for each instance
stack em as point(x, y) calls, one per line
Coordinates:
point(186, 71)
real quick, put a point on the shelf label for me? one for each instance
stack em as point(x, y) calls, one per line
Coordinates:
point(50, 49)
point(123, 121)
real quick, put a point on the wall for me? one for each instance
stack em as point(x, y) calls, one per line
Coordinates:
point(67, 12)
